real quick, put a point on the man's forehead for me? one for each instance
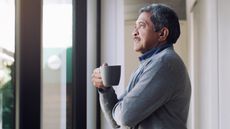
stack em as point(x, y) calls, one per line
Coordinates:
point(141, 21)
point(144, 17)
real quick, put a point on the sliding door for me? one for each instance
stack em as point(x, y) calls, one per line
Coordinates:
point(51, 68)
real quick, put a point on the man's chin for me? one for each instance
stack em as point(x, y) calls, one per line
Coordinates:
point(136, 50)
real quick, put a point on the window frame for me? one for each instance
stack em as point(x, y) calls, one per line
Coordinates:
point(79, 63)
point(28, 50)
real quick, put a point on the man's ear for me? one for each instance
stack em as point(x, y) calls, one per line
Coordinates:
point(163, 34)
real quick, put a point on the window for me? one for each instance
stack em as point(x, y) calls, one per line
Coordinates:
point(44, 49)
point(7, 44)
point(57, 64)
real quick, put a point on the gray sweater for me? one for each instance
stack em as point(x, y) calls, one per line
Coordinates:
point(157, 97)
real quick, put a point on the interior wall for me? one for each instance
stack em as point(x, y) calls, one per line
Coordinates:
point(209, 63)
point(91, 63)
point(224, 62)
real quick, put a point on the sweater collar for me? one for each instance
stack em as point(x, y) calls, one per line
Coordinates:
point(154, 51)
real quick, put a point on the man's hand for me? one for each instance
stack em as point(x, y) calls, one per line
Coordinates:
point(96, 78)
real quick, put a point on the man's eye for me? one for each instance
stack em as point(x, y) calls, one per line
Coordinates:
point(142, 25)
point(139, 25)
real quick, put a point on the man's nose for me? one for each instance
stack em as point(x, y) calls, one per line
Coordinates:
point(135, 32)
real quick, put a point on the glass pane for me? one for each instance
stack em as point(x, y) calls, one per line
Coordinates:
point(7, 44)
point(57, 60)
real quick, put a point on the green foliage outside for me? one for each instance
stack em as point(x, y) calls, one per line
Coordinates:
point(7, 98)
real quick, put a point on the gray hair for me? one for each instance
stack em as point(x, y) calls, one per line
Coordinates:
point(164, 16)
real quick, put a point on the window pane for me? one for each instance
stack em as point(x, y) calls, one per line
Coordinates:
point(57, 60)
point(7, 44)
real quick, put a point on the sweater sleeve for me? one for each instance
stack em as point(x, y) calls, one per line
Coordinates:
point(108, 99)
point(153, 89)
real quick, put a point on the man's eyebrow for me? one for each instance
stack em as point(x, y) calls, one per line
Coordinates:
point(141, 21)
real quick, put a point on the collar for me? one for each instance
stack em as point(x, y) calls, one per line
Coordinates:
point(154, 51)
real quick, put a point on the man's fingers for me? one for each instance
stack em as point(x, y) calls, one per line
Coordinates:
point(97, 70)
point(97, 82)
point(96, 75)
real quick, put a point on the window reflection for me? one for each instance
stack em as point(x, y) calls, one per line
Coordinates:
point(56, 57)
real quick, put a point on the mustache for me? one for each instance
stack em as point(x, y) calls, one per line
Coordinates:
point(136, 38)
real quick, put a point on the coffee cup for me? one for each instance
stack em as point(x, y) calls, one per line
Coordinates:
point(110, 75)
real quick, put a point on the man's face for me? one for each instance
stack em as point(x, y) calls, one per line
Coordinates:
point(144, 36)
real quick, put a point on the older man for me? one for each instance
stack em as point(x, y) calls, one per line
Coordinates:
point(158, 93)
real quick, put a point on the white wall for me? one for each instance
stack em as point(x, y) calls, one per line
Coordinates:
point(209, 64)
point(204, 73)
point(224, 62)
point(91, 62)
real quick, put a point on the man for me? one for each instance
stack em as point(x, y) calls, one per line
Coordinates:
point(158, 94)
